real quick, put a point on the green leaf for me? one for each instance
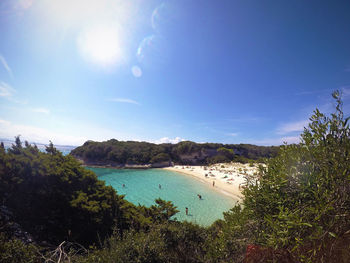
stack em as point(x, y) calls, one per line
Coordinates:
point(332, 234)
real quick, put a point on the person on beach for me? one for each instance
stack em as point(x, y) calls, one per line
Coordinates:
point(186, 211)
point(213, 183)
point(159, 186)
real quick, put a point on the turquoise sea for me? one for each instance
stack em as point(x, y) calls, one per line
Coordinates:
point(142, 187)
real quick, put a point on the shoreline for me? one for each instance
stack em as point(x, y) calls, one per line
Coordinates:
point(140, 167)
point(229, 188)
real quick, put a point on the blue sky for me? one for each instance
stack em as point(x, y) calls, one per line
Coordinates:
point(165, 71)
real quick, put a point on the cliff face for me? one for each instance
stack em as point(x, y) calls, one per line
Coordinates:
point(162, 164)
point(198, 157)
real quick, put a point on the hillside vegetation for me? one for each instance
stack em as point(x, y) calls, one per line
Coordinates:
point(297, 211)
point(115, 153)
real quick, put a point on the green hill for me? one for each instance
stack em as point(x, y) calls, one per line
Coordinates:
point(119, 153)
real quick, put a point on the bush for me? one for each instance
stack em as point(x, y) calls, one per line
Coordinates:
point(15, 251)
point(167, 242)
point(162, 157)
point(228, 153)
point(218, 159)
point(302, 198)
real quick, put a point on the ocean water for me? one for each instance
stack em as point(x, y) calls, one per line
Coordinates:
point(142, 187)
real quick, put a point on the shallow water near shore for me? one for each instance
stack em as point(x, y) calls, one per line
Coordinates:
point(142, 187)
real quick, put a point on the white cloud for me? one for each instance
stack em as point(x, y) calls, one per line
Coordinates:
point(6, 90)
point(124, 100)
point(292, 127)
point(169, 140)
point(6, 66)
point(345, 91)
point(41, 110)
point(277, 141)
point(233, 134)
point(36, 134)
point(76, 134)
point(3, 122)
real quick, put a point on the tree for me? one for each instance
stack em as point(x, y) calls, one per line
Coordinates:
point(161, 157)
point(163, 210)
point(51, 149)
point(228, 153)
point(54, 198)
point(17, 146)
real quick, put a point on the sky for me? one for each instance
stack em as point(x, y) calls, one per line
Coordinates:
point(228, 71)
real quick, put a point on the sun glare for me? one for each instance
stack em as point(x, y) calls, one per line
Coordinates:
point(101, 45)
point(75, 12)
point(101, 27)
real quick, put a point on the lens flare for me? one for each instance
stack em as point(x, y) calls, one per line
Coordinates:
point(136, 71)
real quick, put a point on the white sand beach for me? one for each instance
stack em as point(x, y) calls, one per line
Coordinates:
point(228, 178)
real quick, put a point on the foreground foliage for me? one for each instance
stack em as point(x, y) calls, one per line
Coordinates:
point(302, 199)
point(13, 250)
point(55, 198)
point(167, 242)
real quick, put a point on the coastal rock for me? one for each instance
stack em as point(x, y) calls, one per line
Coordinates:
point(162, 164)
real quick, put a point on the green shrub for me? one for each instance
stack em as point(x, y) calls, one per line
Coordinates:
point(15, 251)
point(167, 242)
point(161, 157)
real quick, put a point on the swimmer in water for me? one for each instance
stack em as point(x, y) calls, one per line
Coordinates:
point(160, 187)
point(186, 211)
point(123, 185)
